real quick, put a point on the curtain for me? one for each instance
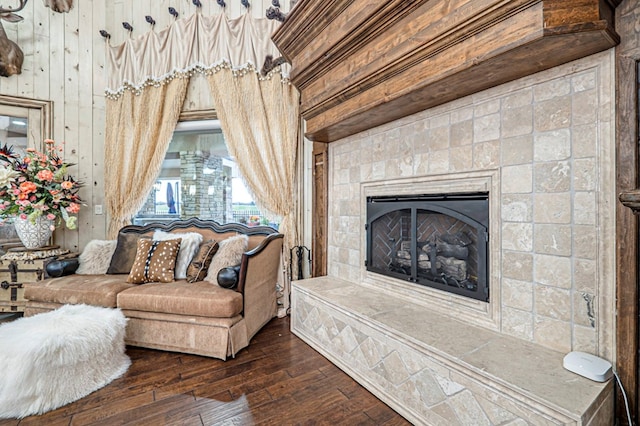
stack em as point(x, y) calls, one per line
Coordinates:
point(139, 129)
point(260, 118)
point(147, 82)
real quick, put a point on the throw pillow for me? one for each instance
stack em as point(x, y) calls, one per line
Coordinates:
point(199, 266)
point(188, 247)
point(124, 254)
point(96, 257)
point(229, 254)
point(155, 261)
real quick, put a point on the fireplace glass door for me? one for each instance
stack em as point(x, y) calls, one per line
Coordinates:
point(438, 241)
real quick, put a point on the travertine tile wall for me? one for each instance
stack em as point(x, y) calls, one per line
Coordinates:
point(550, 137)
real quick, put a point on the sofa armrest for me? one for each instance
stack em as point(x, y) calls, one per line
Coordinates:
point(259, 270)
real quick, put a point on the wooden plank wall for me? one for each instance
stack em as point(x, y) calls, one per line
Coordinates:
point(65, 63)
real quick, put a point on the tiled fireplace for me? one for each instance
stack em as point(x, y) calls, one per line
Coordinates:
point(541, 149)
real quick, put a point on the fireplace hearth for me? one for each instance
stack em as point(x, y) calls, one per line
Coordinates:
point(439, 241)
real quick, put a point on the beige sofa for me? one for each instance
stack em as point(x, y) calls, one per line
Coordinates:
point(198, 318)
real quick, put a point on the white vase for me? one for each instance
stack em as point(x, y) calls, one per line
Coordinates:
point(33, 235)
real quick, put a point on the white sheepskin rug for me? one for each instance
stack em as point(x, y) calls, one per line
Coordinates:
point(54, 358)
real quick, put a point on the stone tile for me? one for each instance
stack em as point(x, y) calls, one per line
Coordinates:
point(497, 415)
point(552, 302)
point(585, 107)
point(585, 275)
point(585, 242)
point(448, 386)
point(517, 121)
point(461, 158)
point(395, 167)
point(517, 179)
point(438, 138)
point(517, 236)
point(468, 410)
point(517, 294)
point(442, 120)
point(585, 174)
point(551, 89)
point(421, 143)
point(584, 141)
point(421, 163)
point(552, 146)
point(585, 309)
point(445, 412)
point(517, 323)
point(517, 207)
point(428, 387)
point(553, 270)
point(486, 155)
point(583, 81)
point(552, 208)
point(552, 114)
point(462, 133)
point(377, 170)
point(554, 176)
point(365, 172)
point(517, 150)
point(553, 239)
point(585, 339)
point(518, 98)
point(486, 128)
point(552, 333)
point(584, 208)
point(517, 265)
point(395, 371)
point(461, 114)
point(486, 108)
point(439, 162)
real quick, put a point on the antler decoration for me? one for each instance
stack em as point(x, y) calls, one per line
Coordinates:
point(150, 20)
point(59, 5)
point(11, 56)
point(245, 3)
point(173, 12)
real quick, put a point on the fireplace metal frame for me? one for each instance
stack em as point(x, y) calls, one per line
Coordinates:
point(470, 208)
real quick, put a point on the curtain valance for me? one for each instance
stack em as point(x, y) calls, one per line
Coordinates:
point(195, 44)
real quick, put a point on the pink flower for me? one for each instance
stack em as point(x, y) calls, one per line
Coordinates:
point(73, 208)
point(23, 216)
point(67, 184)
point(51, 216)
point(45, 175)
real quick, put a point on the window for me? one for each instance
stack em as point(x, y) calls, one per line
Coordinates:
point(199, 178)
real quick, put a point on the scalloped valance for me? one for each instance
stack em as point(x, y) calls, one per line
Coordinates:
point(198, 43)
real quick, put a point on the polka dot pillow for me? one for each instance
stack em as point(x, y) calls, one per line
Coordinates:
point(155, 261)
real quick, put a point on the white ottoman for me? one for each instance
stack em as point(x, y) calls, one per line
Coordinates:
point(54, 358)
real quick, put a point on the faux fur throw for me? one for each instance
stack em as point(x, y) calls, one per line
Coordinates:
point(52, 359)
point(96, 257)
point(229, 254)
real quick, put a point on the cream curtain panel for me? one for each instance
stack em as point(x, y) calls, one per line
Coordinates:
point(147, 81)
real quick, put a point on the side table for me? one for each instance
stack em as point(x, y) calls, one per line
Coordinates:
point(20, 265)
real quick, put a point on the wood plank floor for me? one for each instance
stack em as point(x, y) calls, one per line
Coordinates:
point(277, 380)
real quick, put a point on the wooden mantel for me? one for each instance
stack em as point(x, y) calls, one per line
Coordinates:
point(363, 63)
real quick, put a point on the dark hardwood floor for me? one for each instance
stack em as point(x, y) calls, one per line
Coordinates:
point(277, 380)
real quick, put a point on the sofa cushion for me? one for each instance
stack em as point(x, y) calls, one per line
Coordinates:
point(198, 299)
point(124, 254)
point(96, 257)
point(199, 266)
point(229, 254)
point(155, 261)
point(188, 247)
point(97, 290)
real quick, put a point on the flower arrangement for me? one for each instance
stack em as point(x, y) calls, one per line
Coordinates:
point(38, 185)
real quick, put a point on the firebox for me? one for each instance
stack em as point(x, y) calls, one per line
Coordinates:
point(435, 240)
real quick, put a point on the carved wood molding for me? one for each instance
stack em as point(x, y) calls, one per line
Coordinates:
point(359, 64)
